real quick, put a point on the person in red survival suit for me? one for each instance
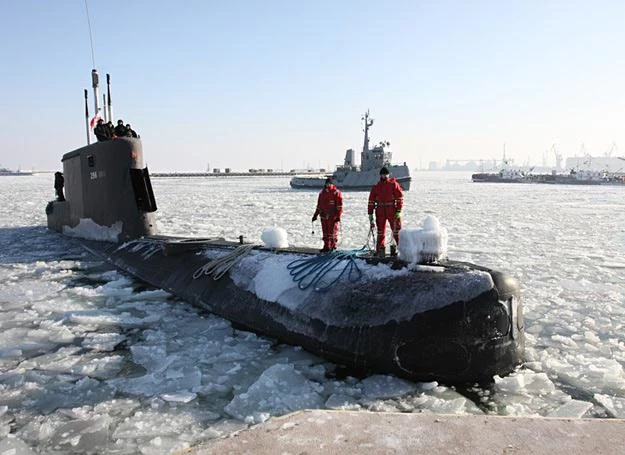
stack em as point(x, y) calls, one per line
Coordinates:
point(330, 207)
point(387, 198)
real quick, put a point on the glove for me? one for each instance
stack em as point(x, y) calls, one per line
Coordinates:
point(338, 220)
point(371, 223)
point(314, 218)
point(398, 214)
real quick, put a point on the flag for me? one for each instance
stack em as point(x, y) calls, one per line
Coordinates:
point(94, 120)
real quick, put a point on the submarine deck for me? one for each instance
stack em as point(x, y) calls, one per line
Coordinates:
point(331, 432)
point(176, 245)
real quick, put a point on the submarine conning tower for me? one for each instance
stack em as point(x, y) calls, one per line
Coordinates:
point(107, 183)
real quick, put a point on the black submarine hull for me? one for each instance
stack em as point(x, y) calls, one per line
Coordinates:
point(457, 341)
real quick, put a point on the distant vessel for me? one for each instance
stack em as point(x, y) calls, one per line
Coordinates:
point(588, 175)
point(507, 174)
point(574, 177)
point(348, 176)
point(503, 176)
point(581, 177)
point(5, 172)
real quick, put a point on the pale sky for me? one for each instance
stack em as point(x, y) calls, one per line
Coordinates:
point(283, 84)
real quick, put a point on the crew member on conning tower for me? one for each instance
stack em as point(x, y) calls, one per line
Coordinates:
point(120, 129)
point(330, 208)
point(101, 131)
point(387, 199)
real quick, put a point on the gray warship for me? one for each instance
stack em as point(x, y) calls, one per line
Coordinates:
point(349, 176)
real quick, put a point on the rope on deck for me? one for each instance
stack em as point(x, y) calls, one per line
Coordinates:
point(311, 271)
point(219, 267)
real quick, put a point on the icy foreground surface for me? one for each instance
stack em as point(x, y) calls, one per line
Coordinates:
point(91, 361)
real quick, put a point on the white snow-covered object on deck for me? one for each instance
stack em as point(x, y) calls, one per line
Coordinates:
point(423, 246)
point(275, 237)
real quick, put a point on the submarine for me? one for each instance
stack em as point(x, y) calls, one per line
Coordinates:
point(443, 320)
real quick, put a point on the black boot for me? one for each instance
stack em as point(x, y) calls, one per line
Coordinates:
point(381, 252)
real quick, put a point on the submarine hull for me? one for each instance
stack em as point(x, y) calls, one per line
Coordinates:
point(385, 326)
point(453, 322)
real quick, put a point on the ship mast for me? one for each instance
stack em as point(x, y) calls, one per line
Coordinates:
point(95, 83)
point(109, 108)
point(368, 123)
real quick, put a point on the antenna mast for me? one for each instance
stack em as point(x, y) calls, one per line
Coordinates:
point(90, 36)
point(87, 118)
point(95, 83)
point(368, 124)
point(109, 107)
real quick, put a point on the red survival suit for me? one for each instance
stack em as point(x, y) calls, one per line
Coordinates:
point(330, 207)
point(387, 198)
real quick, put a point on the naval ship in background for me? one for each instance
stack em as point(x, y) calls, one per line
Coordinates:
point(349, 176)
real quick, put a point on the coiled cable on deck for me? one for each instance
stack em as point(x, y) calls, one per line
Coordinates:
point(311, 271)
point(220, 266)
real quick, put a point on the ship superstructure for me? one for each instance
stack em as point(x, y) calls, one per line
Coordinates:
point(350, 176)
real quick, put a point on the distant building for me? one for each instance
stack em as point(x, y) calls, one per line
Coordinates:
point(596, 163)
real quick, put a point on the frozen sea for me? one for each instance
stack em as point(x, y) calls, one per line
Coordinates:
point(92, 361)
